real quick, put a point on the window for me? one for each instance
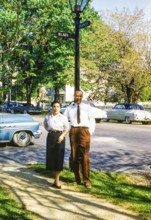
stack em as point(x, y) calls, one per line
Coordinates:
point(120, 107)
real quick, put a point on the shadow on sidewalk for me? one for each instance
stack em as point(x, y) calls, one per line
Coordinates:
point(34, 192)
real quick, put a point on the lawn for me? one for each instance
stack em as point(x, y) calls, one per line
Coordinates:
point(10, 209)
point(132, 192)
point(129, 191)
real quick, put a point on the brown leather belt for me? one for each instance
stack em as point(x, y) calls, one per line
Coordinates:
point(55, 131)
point(78, 127)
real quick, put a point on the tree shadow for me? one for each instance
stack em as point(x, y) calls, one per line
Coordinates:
point(126, 161)
point(33, 191)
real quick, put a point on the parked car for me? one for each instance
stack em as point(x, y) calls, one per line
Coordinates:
point(7, 105)
point(25, 108)
point(128, 113)
point(18, 129)
point(2, 108)
point(47, 106)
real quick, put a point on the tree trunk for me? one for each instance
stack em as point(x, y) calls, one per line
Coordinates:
point(28, 90)
point(129, 94)
point(57, 96)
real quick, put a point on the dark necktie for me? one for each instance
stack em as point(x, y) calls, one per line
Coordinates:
point(78, 114)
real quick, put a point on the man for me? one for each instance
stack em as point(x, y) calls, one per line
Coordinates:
point(82, 124)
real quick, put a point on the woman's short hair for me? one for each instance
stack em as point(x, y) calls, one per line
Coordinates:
point(54, 102)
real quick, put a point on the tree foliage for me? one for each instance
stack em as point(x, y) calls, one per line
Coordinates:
point(130, 74)
point(32, 49)
point(115, 58)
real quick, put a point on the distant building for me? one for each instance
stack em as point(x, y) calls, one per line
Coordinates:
point(66, 95)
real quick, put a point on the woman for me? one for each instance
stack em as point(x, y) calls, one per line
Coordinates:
point(57, 126)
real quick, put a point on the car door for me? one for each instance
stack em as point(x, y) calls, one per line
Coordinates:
point(122, 113)
point(133, 111)
point(1, 128)
point(6, 130)
point(26, 108)
point(116, 113)
point(30, 108)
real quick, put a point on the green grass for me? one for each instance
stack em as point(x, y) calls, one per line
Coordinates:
point(130, 191)
point(10, 209)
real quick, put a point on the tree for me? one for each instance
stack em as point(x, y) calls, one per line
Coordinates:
point(35, 53)
point(129, 75)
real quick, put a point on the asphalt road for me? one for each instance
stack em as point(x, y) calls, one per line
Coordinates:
point(115, 147)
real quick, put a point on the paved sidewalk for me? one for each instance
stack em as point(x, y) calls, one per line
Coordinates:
point(35, 193)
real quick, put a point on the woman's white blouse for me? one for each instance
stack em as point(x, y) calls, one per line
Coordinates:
point(56, 122)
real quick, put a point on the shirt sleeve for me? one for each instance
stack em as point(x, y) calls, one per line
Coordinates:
point(66, 124)
point(92, 121)
point(45, 123)
point(66, 113)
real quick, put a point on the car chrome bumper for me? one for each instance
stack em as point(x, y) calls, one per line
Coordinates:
point(37, 134)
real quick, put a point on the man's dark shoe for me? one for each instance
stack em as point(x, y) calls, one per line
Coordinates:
point(78, 180)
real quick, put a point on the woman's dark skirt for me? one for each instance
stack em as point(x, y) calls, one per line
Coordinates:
point(54, 152)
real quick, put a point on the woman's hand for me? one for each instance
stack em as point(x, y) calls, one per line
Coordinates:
point(61, 138)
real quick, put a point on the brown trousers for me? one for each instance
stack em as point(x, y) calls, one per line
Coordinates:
point(80, 148)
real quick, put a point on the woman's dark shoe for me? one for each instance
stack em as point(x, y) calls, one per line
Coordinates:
point(58, 187)
point(55, 186)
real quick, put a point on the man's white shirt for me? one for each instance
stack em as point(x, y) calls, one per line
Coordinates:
point(87, 118)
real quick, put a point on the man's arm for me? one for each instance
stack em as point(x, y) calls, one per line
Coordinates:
point(92, 120)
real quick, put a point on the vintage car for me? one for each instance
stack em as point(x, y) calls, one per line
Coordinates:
point(25, 108)
point(128, 113)
point(18, 129)
point(7, 105)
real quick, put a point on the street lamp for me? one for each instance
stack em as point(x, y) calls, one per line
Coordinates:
point(77, 6)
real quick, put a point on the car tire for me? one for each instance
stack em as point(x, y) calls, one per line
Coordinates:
point(98, 120)
point(25, 111)
point(22, 139)
point(12, 111)
point(145, 122)
point(127, 120)
point(3, 144)
point(105, 120)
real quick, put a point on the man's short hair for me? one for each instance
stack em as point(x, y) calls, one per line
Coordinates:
point(78, 90)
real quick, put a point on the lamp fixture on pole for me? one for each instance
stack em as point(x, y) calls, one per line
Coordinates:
point(77, 6)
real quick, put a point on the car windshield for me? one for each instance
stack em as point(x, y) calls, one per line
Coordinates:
point(10, 104)
point(19, 104)
point(134, 106)
point(129, 107)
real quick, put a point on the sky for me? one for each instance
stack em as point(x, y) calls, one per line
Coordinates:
point(119, 4)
